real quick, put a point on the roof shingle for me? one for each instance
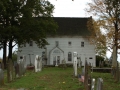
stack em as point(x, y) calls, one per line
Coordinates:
point(72, 26)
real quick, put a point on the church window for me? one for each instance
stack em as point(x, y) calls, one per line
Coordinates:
point(56, 43)
point(69, 43)
point(90, 58)
point(69, 56)
point(82, 44)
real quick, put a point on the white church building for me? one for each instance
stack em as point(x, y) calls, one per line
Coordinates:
point(72, 36)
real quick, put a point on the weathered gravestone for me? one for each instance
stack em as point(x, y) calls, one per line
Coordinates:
point(20, 67)
point(38, 63)
point(86, 74)
point(10, 70)
point(93, 84)
point(16, 65)
point(64, 63)
point(79, 62)
point(92, 68)
point(75, 63)
point(99, 84)
point(1, 77)
point(1, 65)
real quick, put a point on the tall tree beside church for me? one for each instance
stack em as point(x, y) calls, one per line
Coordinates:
point(97, 37)
point(25, 20)
point(108, 13)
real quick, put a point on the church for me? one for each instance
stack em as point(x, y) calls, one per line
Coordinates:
point(71, 36)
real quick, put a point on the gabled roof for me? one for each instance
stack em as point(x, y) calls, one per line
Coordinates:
point(72, 26)
point(55, 48)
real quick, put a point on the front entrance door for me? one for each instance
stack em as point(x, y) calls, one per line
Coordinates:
point(56, 60)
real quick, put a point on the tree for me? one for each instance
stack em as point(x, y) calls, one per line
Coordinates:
point(25, 20)
point(108, 13)
point(97, 37)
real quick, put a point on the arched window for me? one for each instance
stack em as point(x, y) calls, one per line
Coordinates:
point(69, 56)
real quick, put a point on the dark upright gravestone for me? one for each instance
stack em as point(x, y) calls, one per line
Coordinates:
point(86, 75)
point(1, 77)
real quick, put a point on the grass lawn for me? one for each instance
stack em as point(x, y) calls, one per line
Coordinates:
point(55, 78)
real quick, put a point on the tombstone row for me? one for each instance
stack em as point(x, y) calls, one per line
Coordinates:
point(18, 69)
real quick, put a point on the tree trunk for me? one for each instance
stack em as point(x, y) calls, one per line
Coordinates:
point(4, 53)
point(10, 50)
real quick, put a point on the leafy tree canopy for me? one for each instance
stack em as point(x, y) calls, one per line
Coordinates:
point(108, 16)
point(25, 20)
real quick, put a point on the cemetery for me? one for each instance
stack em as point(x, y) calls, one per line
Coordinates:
point(74, 77)
point(59, 53)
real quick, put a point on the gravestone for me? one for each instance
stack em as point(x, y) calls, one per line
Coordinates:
point(93, 84)
point(1, 77)
point(75, 63)
point(21, 67)
point(99, 84)
point(92, 68)
point(64, 63)
point(83, 70)
point(10, 70)
point(1, 65)
point(24, 64)
point(86, 75)
point(16, 69)
point(79, 62)
point(38, 63)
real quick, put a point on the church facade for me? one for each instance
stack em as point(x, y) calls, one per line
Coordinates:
point(72, 36)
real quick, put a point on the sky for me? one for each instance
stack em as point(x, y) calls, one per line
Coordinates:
point(68, 8)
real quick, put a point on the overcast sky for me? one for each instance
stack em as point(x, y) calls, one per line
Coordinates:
point(68, 8)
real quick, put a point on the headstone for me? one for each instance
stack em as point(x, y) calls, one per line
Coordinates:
point(83, 70)
point(64, 63)
point(1, 77)
point(10, 70)
point(99, 84)
point(79, 62)
point(93, 84)
point(20, 68)
point(92, 68)
point(75, 63)
point(86, 75)
point(16, 70)
point(38, 63)
point(1, 65)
